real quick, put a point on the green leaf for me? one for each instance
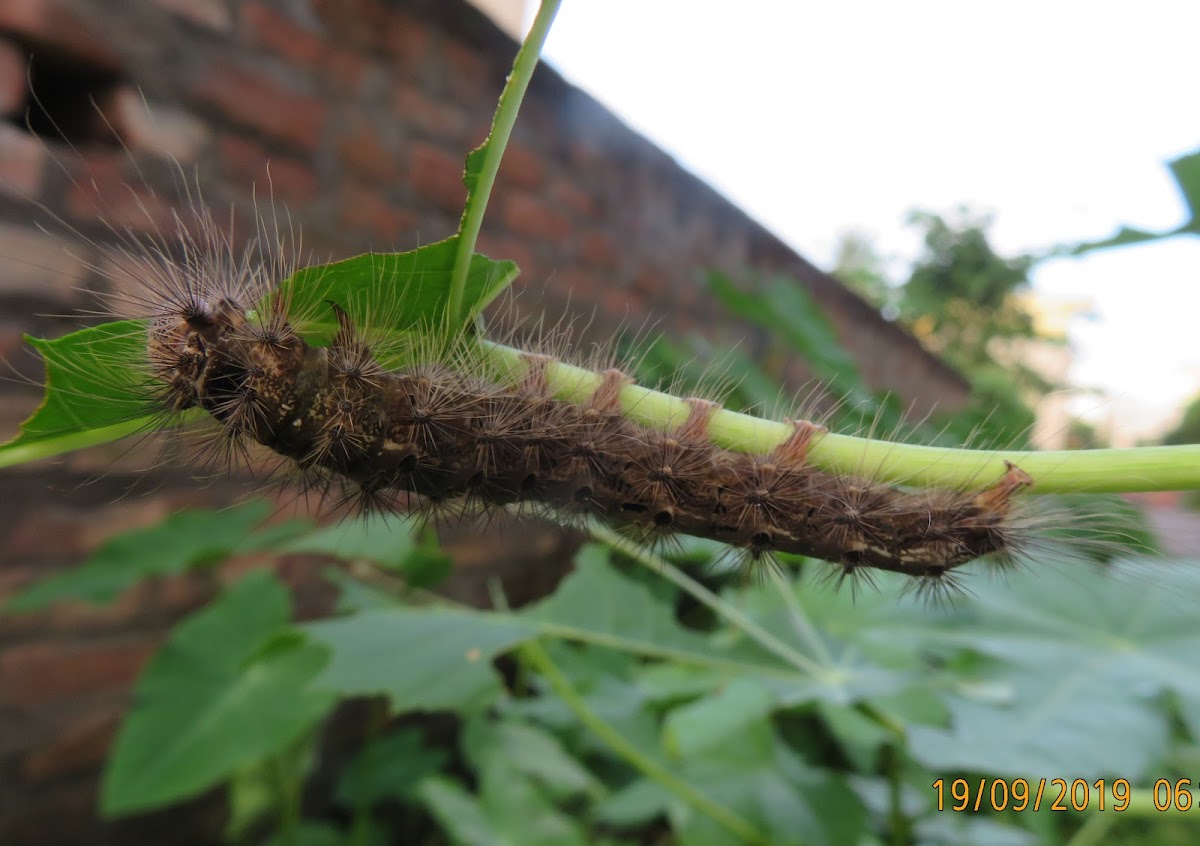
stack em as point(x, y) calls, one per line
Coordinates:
point(188, 539)
point(385, 539)
point(521, 813)
point(422, 658)
point(1078, 665)
point(394, 292)
point(390, 767)
point(531, 751)
point(768, 785)
point(706, 723)
point(98, 388)
point(213, 699)
point(1186, 172)
point(309, 833)
point(458, 811)
point(634, 805)
point(355, 595)
point(509, 810)
point(596, 601)
point(97, 391)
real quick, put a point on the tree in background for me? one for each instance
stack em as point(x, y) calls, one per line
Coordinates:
point(1188, 430)
point(965, 303)
point(861, 268)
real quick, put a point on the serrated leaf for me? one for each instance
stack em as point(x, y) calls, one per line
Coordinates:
point(213, 700)
point(97, 386)
point(96, 392)
point(424, 659)
point(184, 540)
point(508, 810)
point(616, 611)
point(773, 790)
point(701, 725)
point(529, 750)
point(521, 813)
point(394, 292)
point(1079, 663)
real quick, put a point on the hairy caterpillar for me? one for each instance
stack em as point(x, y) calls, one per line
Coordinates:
point(459, 433)
point(421, 418)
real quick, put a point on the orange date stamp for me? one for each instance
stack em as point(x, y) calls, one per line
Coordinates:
point(1060, 794)
point(1020, 794)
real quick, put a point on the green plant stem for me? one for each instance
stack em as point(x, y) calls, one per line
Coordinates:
point(898, 822)
point(801, 624)
point(561, 685)
point(710, 600)
point(287, 783)
point(1163, 468)
point(1092, 832)
point(502, 124)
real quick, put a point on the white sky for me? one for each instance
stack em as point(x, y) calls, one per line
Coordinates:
point(820, 117)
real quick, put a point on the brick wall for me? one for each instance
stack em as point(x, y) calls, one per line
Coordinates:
point(364, 110)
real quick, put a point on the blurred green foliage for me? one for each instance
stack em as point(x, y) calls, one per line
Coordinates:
point(833, 736)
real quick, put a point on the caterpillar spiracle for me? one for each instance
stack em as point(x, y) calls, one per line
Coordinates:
point(435, 422)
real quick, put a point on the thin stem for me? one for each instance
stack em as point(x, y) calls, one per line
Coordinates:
point(647, 766)
point(287, 783)
point(493, 150)
point(801, 624)
point(709, 599)
point(1092, 832)
point(1164, 468)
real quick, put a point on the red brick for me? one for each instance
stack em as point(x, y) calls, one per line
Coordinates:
point(598, 248)
point(279, 34)
point(251, 98)
point(528, 215)
point(501, 247)
point(440, 118)
point(571, 197)
point(37, 264)
point(581, 285)
point(22, 163)
point(372, 217)
point(14, 84)
point(183, 593)
point(362, 23)
point(346, 67)
point(288, 179)
point(55, 24)
point(468, 69)
point(101, 191)
point(407, 41)
point(234, 569)
point(363, 153)
point(74, 617)
point(156, 129)
point(210, 14)
point(33, 674)
point(437, 176)
point(622, 303)
point(522, 167)
point(80, 744)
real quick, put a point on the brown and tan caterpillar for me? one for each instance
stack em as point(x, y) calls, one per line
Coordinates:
point(453, 434)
